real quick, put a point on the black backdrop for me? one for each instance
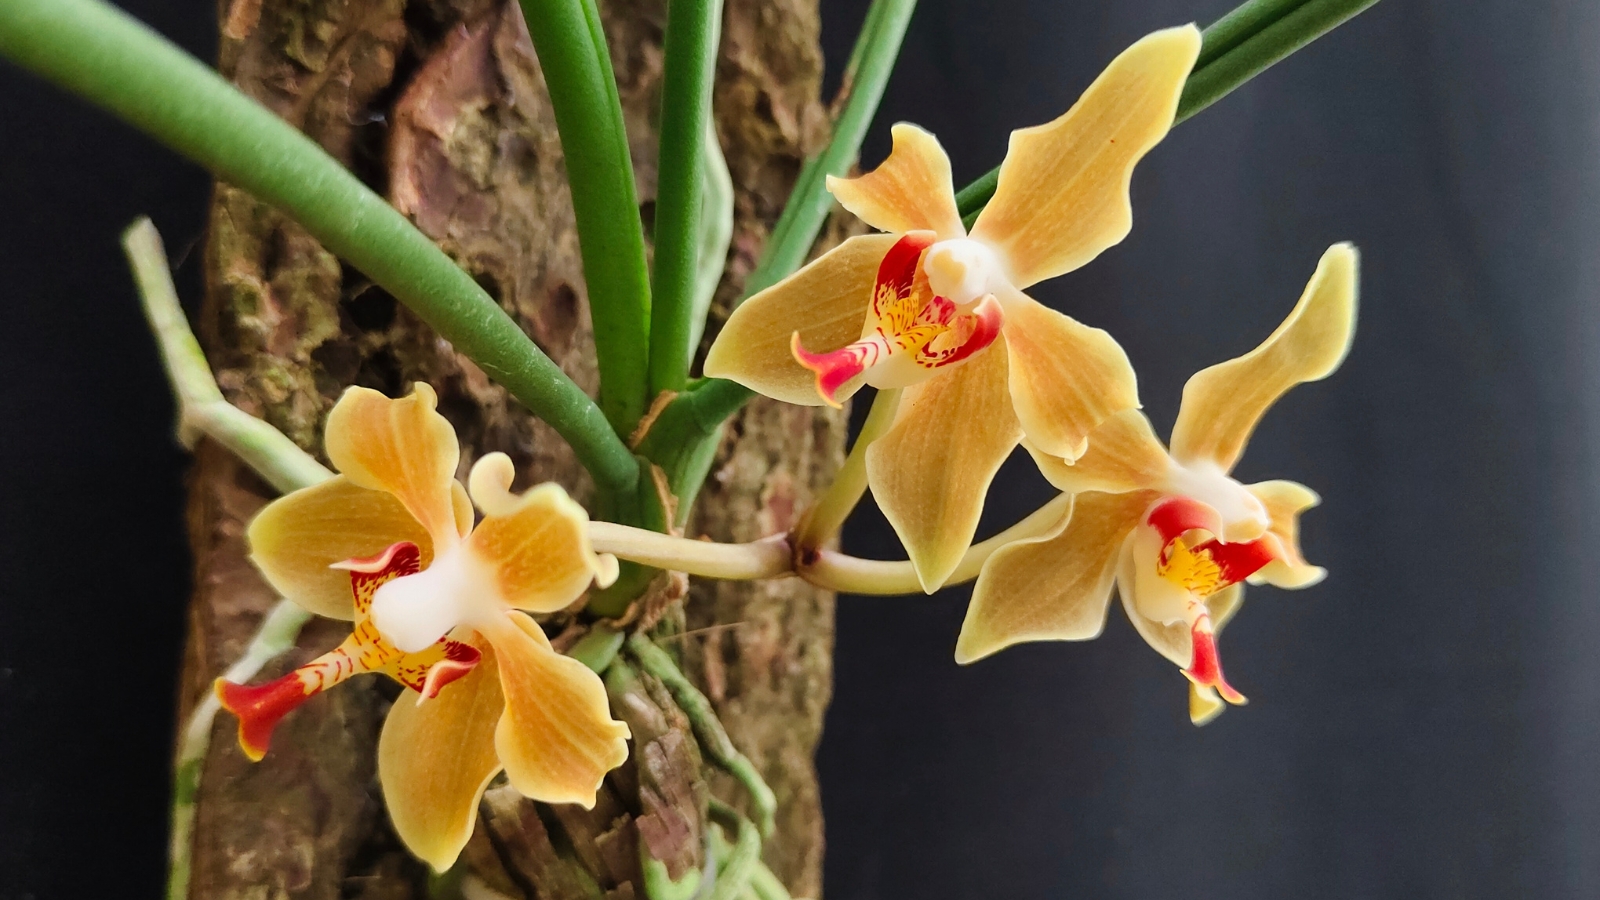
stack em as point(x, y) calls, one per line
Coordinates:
point(1424, 723)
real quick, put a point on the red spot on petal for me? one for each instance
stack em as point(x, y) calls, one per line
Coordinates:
point(260, 708)
point(899, 267)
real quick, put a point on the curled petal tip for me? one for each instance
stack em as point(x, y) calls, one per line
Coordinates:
point(832, 369)
point(1205, 667)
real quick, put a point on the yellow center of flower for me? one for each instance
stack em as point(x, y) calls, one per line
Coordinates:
point(1191, 569)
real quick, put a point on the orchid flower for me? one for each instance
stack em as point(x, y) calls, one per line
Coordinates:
point(441, 607)
point(1173, 530)
point(929, 307)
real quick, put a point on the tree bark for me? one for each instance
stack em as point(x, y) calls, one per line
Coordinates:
point(440, 104)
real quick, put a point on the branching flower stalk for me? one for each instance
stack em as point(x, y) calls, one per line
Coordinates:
point(441, 579)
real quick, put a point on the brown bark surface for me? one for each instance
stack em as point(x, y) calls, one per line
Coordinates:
point(440, 105)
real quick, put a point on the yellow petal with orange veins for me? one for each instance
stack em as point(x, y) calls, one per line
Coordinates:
point(435, 759)
point(1056, 587)
point(1066, 378)
point(909, 191)
point(536, 545)
point(401, 446)
point(1222, 404)
point(930, 472)
point(557, 739)
point(826, 302)
point(294, 539)
point(1285, 501)
point(1124, 455)
point(1062, 197)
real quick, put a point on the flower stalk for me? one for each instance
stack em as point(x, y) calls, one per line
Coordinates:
point(824, 520)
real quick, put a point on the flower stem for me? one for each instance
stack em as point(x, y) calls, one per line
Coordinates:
point(678, 441)
point(96, 51)
point(1235, 48)
point(278, 632)
point(583, 92)
point(766, 558)
point(201, 407)
point(850, 575)
point(690, 48)
point(823, 521)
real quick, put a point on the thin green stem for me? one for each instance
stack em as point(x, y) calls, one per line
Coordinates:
point(716, 232)
point(598, 648)
point(1234, 49)
point(690, 48)
point(278, 632)
point(201, 407)
point(103, 55)
point(583, 92)
point(707, 728)
point(824, 520)
point(684, 437)
point(866, 76)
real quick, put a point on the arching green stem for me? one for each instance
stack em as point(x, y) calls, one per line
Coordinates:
point(96, 51)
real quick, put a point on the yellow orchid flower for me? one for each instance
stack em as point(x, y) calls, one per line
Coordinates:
point(929, 307)
point(1173, 530)
point(441, 607)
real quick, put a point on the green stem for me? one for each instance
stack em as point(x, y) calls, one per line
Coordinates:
point(716, 233)
point(103, 55)
point(201, 407)
point(866, 76)
point(1235, 48)
point(583, 92)
point(825, 519)
point(684, 437)
point(707, 728)
point(278, 632)
point(690, 48)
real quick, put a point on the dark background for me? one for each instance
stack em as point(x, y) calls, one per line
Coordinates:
point(1423, 724)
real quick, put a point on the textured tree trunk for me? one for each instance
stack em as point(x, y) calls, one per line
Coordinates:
point(440, 105)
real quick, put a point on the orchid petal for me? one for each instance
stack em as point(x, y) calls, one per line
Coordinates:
point(911, 190)
point(557, 739)
point(1285, 501)
point(297, 538)
point(436, 757)
point(537, 544)
point(1066, 378)
point(1056, 587)
point(825, 302)
point(1124, 455)
point(401, 446)
point(1170, 639)
point(1222, 404)
point(930, 472)
point(1062, 197)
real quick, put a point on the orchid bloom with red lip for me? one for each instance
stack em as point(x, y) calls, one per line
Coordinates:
point(1173, 530)
point(442, 607)
point(929, 307)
